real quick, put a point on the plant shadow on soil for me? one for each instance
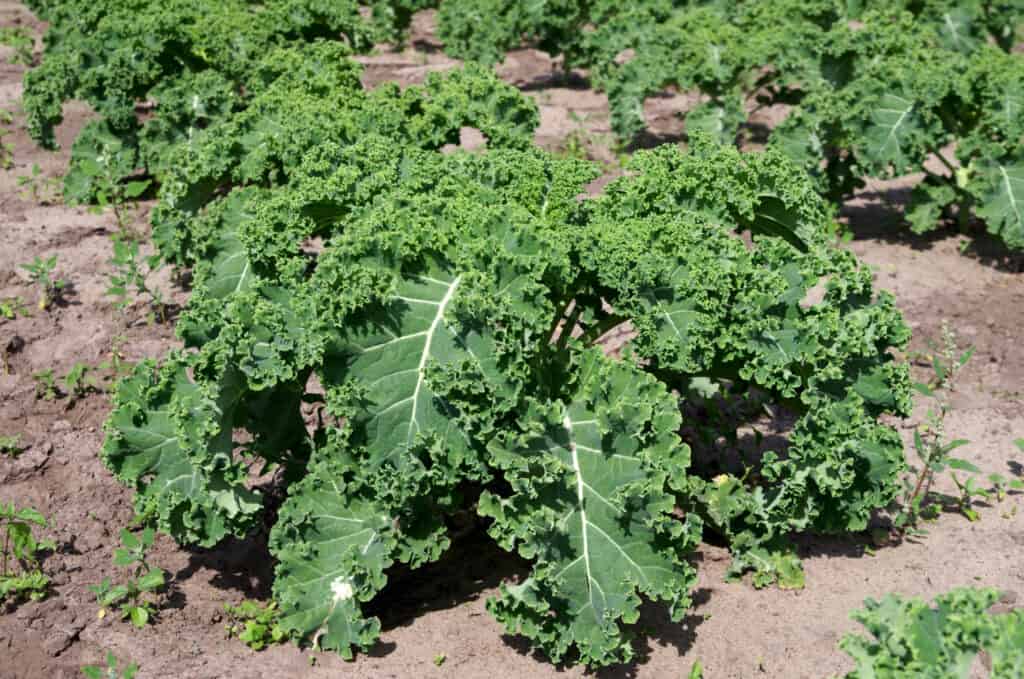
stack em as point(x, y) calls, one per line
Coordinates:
point(654, 625)
point(472, 566)
point(877, 215)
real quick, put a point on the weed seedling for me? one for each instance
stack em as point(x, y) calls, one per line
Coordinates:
point(10, 446)
point(6, 147)
point(256, 625)
point(46, 385)
point(40, 272)
point(79, 383)
point(130, 596)
point(21, 547)
point(111, 192)
point(117, 364)
point(128, 273)
point(12, 307)
point(40, 189)
point(110, 670)
point(932, 447)
point(21, 41)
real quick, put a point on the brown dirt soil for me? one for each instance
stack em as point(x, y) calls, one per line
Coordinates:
point(733, 629)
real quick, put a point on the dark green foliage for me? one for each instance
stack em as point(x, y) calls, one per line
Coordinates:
point(879, 88)
point(183, 63)
point(427, 294)
point(914, 638)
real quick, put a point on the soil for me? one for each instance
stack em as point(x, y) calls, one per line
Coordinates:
point(734, 630)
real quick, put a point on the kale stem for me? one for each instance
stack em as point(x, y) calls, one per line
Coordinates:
point(559, 316)
point(7, 540)
point(567, 327)
point(596, 331)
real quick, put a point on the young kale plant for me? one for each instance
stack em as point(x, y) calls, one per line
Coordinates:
point(454, 319)
point(40, 273)
point(133, 597)
point(22, 548)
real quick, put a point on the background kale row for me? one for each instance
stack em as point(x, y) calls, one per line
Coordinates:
point(159, 72)
point(874, 89)
point(441, 313)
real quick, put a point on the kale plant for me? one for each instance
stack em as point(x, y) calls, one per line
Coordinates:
point(444, 313)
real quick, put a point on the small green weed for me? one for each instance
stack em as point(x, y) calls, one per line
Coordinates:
point(10, 446)
point(930, 442)
point(18, 38)
point(934, 451)
point(128, 273)
point(130, 597)
point(39, 188)
point(111, 670)
point(256, 625)
point(12, 307)
point(46, 385)
point(6, 147)
point(22, 547)
point(40, 272)
point(80, 382)
point(111, 193)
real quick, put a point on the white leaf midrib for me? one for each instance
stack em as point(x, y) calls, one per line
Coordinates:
point(442, 306)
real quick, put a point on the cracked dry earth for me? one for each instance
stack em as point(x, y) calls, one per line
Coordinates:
point(734, 630)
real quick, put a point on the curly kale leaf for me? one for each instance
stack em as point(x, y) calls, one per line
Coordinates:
point(590, 505)
point(190, 62)
point(911, 637)
point(268, 143)
point(170, 438)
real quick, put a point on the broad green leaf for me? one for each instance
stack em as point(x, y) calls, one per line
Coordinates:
point(923, 389)
point(232, 271)
point(962, 465)
point(152, 580)
point(1000, 193)
point(136, 189)
point(333, 547)
point(773, 218)
point(139, 616)
point(592, 523)
point(956, 29)
point(149, 445)
point(391, 352)
point(720, 121)
point(886, 140)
